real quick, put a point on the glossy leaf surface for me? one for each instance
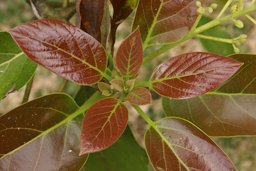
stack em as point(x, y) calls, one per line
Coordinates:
point(90, 15)
point(129, 55)
point(15, 68)
point(103, 124)
point(165, 20)
point(192, 74)
point(65, 49)
point(176, 144)
point(219, 48)
point(244, 81)
point(228, 112)
point(125, 154)
point(139, 96)
point(30, 142)
point(217, 114)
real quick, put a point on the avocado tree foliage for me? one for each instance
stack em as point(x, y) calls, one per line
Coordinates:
point(204, 94)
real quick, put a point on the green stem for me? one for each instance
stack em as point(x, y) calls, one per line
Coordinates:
point(145, 116)
point(217, 39)
point(28, 90)
point(251, 19)
point(200, 29)
point(224, 8)
point(140, 83)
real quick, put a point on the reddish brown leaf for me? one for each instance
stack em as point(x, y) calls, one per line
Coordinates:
point(139, 96)
point(63, 49)
point(129, 57)
point(192, 74)
point(90, 15)
point(103, 124)
point(175, 144)
point(122, 9)
point(30, 139)
point(165, 20)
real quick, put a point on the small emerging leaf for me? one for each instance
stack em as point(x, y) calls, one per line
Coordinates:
point(192, 74)
point(103, 124)
point(62, 48)
point(139, 96)
point(129, 57)
point(176, 144)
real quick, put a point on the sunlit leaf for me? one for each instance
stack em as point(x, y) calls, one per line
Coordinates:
point(125, 154)
point(192, 74)
point(214, 46)
point(30, 138)
point(103, 124)
point(63, 49)
point(91, 14)
point(139, 96)
point(175, 144)
point(229, 111)
point(165, 20)
point(129, 57)
point(15, 68)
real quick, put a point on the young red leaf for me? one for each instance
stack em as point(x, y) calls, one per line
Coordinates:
point(129, 57)
point(165, 20)
point(139, 96)
point(192, 74)
point(103, 124)
point(90, 14)
point(175, 144)
point(63, 49)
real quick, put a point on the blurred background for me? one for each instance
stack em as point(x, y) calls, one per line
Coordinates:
point(242, 150)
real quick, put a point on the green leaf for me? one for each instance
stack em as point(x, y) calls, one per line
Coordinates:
point(15, 68)
point(175, 144)
point(213, 46)
point(41, 135)
point(227, 112)
point(125, 154)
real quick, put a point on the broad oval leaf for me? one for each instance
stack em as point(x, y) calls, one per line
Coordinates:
point(103, 124)
point(32, 138)
point(15, 68)
point(165, 20)
point(129, 57)
point(175, 144)
point(192, 74)
point(218, 114)
point(120, 155)
point(65, 50)
point(90, 15)
point(139, 96)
